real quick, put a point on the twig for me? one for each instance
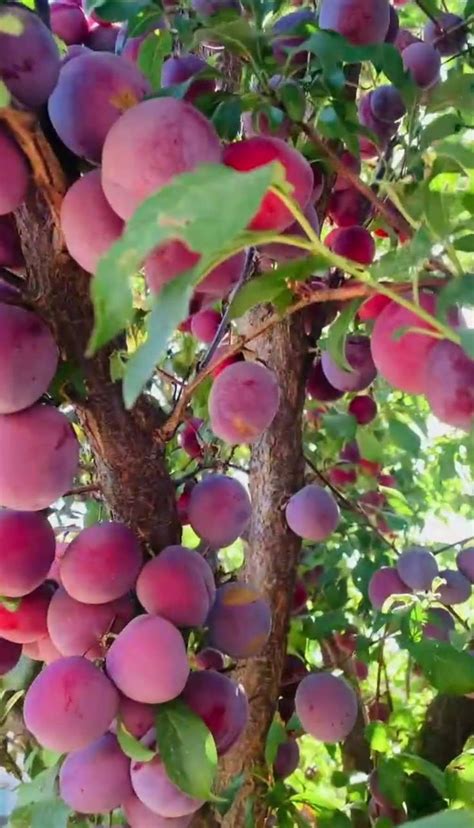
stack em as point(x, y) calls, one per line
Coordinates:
point(451, 545)
point(80, 490)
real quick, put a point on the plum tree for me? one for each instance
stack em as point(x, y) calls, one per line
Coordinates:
point(29, 58)
point(28, 545)
point(15, 175)
point(423, 62)
point(93, 91)
point(326, 706)
point(182, 68)
point(362, 369)
point(465, 563)
point(96, 779)
point(221, 703)
point(312, 513)
point(219, 509)
point(44, 433)
point(89, 224)
point(417, 568)
point(363, 408)
point(256, 152)
point(243, 402)
point(177, 585)
point(26, 622)
point(160, 127)
point(354, 243)
point(359, 21)
point(240, 620)
point(155, 789)
point(147, 661)
point(28, 358)
point(138, 718)
point(456, 588)
point(287, 759)
point(139, 816)
point(448, 34)
point(68, 22)
point(452, 400)
point(70, 704)
point(77, 628)
point(102, 563)
point(10, 653)
point(384, 583)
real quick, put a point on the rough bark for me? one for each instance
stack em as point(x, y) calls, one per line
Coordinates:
point(448, 724)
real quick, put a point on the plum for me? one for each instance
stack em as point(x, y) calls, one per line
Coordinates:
point(243, 402)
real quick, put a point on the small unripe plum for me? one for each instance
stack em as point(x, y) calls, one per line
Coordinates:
point(438, 34)
point(354, 243)
point(155, 789)
point(452, 400)
point(76, 628)
point(44, 433)
point(96, 779)
point(387, 104)
point(348, 207)
point(384, 583)
point(363, 408)
point(221, 703)
point(88, 222)
point(361, 22)
point(27, 622)
point(252, 153)
point(287, 759)
point(139, 816)
point(402, 360)
point(312, 513)
point(240, 621)
point(285, 36)
point(11, 255)
point(148, 661)
point(93, 91)
point(326, 706)
point(318, 386)
point(188, 438)
point(358, 355)
point(15, 173)
point(70, 705)
point(27, 546)
point(68, 22)
point(210, 659)
point(160, 127)
point(373, 307)
point(417, 568)
point(10, 653)
point(243, 402)
point(423, 62)
point(178, 585)
point(465, 563)
point(205, 324)
point(178, 69)
point(29, 60)
point(457, 588)
point(219, 509)
point(101, 563)
point(286, 252)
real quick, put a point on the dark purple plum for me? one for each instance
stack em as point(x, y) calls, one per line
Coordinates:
point(358, 355)
point(240, 621)
point(318, 386)
point(457, 588)
point(465, 563)
point(68, 22)
point(423, 63)
point(96, 779)
point(417, 568)
point(448, 35)
point(384, 583)
point(387, 104)
point(286, 36)
point(14, 174)
point(29, 61)
point(451, 400)
point(10, 654)
point(287, 759)
point(11, 255)
point(312, 513)
point(360, 21)
point(326, 706)
point(222, 705)
point(102, 38)
point(178, 69)
point(219, 509)
point(363, 408)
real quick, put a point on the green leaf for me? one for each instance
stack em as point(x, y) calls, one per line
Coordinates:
point(458, 152)
point(467, 341)
point(457, 91)
point(341, 426)
point(4, 95)
point(237, 35)
point(336, 341)
point(41, 789)
point(228, 795)
point(176, 211)
point(275, 737)
point(447, 669)
point(131, 746)
point(377, 735)
point(156, 46)
point(187, 749)
point(267, 287)
point(369, 446)
point(457, 292)
point(465, 243)
point(404, 437)
point(226, 118)
point(293, 99)
point(116, 11)
point(460, 778)
point(52, 813)
point(391, 780)
point(444, 819)
point(441, 127)
point(416, 764)
point(399, 264)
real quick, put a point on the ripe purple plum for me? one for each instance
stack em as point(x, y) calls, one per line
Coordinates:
point(27, 622)
point(312, 513)
point(383, 130)
point(417, 568)
point(149, 145)
point(68, 22)
point(179, 69)
point(172, 258)
point(76, 628)
point(355, 243)
point(348, 207)
point(439, 625)
point(285, 252)
point(29, 61)
point(88, 222)
point(289, 32)
point(155, 789)
point(148, 661)
point(102, 38)
point(42, 650)
point(252, 153)
point(219, 509)
point(15, 173)
point(326, 706)
point(465, 563)
point(70, 705)
point(384, 583)
point(448, 34)
point(423, 62)
point(363, 408)
point(456, 589)
point(401, 360)
point(93, 91)
point(358, 355)
point(138, 718)
point(451, 401)
point(210, 659)
point(387, 104)
point(287, 759)
point(205, 324)
point(294, 670)
point(189, 439)
point(222, 705)
point(28, 544)
point(96, 779)
point(28, 358)
point(240, 620)
point(243, 402)
point(11, 255)
point(101, 563)
point(10, 653)
point(361, 22)
point(318, 386)
point(139, 816)
point(178, 585)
